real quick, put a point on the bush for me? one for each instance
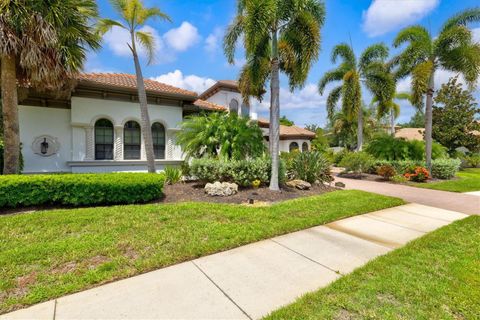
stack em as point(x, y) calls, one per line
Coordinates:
point(386, 171)
point(172, 175)
point(445, 168)
point(398, 179)
point(338, 157)
point(472, 161)
point(358, 162)
point(242, 172)
point(417, 174)
point(79, 189)
point(310, 167)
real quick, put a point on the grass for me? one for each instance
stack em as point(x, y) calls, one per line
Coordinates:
point(469, 180)
point(434, 277)
point(44, 255)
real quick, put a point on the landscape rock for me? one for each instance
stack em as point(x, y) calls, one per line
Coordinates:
point(221, 189)
point(299, 184)
point(339, 184)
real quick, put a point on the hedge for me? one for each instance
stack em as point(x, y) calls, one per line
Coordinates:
point(242, 172)
point(79, 189)
point(441, 168)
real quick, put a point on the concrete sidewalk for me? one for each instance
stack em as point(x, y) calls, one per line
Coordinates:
point(460, 202)
point(250, 281)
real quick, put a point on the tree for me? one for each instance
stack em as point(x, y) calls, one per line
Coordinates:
point(222, 135)
point(286, 122)
point(390, 108)
point(453, 117)
point(417, 121)
point(134, 15)
point(320, 142)
point(351, 73)
point(42, 44)
point(453, 49)
point(278, 35)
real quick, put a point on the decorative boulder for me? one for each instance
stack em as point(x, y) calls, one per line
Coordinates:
point(339, 184)
point(299, 184)
point(221, 189)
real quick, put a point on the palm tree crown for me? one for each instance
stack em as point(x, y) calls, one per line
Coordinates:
point(278, 35)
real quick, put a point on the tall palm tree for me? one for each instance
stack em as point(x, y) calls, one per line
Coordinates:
point(351, 72)
point(278, 35)
point(453, 49)
point(42, 43)
point(134, 16)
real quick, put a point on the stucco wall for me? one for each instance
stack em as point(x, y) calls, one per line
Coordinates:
point(224, 97)
point(285, 144)
point(38, 121)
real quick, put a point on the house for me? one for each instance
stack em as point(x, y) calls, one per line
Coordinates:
point(96, 127)
point(410, 133)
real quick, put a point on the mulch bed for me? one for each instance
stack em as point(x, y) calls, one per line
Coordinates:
point(194, 192)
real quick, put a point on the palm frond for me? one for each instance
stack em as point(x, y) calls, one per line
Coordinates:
point(105, 25)
point(147, 41)
point(331, 76)
point(416, 33)
point(233, 34)
point(462, 19)
point(149, 13)
point(376, 52)
point(332, 101)
point(344, 51)
point(420, 82)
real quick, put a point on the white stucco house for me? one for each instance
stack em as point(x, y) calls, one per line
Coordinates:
point(97, 128)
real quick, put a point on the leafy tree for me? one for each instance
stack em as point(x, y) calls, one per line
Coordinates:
point(278, 35)
point(222, 135)
point(454, 117)
point(351, 72)
point(452, 49)
point(134, 16)
point(344, 131)
point(42, 43)
point(286, 122)
point(320, 142)
point(417, 121)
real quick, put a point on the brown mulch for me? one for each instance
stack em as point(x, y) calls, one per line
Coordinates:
point(194, 192)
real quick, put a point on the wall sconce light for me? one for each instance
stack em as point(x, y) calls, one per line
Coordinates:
point(44, 146)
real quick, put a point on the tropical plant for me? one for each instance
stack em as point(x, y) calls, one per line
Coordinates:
point(42, 44)
point(357, 162)
point(417, 174)
point(386, 171)
point(221, 135)
point(453, 49)
point(311, 167)
point(351, 72)
point(390, 108)
point(134, 16)
point(277, 36)
point(454, 114)
point(172, 175)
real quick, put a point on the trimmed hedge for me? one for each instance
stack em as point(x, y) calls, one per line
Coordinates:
point(79, 189)
point(242, 172)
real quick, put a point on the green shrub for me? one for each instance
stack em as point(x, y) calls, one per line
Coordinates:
point(338, 157)
point(398, 179)
point(310, 167)
point(242, 172)
point(472, 161)
point(172, 175)
point(358, 162)
point(386, 171)
point(79, 189)
point(445, 168)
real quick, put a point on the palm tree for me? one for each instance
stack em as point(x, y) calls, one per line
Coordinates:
point(390, 108)
point(134, 15)
point(42, 43)
point(351, 73)
point(453, 50)
point(278, 35)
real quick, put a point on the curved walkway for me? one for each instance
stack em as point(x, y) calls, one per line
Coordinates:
point(460, 202)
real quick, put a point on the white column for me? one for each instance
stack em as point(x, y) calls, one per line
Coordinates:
point(89, 143)
point(118, 143)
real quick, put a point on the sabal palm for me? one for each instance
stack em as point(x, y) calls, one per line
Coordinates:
point(453, 50)
point(134, 16)
point(351, 72)
point(42, 43)
point(278, 36)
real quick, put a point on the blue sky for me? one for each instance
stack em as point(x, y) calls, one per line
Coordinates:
point(190, 55)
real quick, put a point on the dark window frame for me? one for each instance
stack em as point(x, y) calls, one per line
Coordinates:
point(104, 148)
point(293, 146)
point(159, 146)
point(132, 141)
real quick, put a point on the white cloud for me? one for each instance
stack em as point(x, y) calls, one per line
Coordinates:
point(190, 82)
point(384, 16)
point(476, 34)
point(212, 42)
point(183, 37)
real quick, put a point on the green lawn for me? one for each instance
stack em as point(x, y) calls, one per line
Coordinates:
point(434, 277)
point(469, 180)
point(48, 254)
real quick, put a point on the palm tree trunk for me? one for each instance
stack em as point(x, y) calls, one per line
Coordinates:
point(360, 130)
point(392, 122)
point(10, 115)
point(144, 116)
point(275, 115)
point(428, 122)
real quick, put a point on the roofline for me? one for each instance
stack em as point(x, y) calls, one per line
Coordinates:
point(219, 84)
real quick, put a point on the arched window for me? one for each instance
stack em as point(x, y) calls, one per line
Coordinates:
point(158, 136)
point(304, 147)
point(293, 146)
point(233, 106)
point(245, 110)
point(131, 140)
point(103, 140)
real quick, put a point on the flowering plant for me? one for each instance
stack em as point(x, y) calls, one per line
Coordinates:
point(417, 174)
point(256, 183)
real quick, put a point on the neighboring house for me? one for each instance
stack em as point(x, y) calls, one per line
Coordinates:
point(96, 128)
point(410, 133)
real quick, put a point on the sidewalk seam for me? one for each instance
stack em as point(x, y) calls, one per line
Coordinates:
point(221, 290)
point(392, 223)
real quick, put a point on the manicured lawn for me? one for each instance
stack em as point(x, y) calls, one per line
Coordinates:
point(48, 254)
point(469, 181)
point(434, 277)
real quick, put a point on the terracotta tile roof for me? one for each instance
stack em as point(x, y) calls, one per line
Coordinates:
point(410, 133)
point(287, 132)
point(129, 81)
point(206, 105)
